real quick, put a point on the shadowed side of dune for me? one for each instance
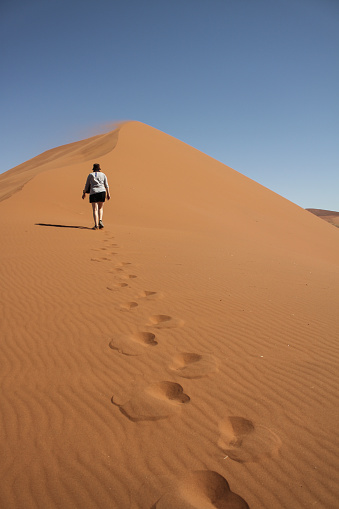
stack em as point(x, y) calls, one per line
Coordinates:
point(14, 180)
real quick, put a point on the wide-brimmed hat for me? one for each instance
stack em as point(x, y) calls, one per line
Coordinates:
point(96, 167)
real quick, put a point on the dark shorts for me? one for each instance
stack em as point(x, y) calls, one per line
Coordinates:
point(97, 197)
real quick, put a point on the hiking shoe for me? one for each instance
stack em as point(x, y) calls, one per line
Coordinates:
point(100, 224)
point(95, 227)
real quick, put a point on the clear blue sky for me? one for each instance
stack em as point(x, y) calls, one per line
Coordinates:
point(252, 83)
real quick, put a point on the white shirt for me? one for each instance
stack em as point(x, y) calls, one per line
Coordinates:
point(96, 182)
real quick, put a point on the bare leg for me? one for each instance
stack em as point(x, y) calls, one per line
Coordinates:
point(101, 209)
point(95, 214)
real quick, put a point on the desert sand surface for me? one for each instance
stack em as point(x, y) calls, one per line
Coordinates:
point(331, 216)
point(185, 356)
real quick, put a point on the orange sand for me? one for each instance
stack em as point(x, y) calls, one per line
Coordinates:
point(184, 357)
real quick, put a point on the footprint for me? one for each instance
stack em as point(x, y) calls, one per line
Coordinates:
point(127, 306)
point(150, 295)
point(133, 344)
point(121, 265)
point(164, 322)
point(128, 276)
point(116, 286)
point(201, 489)
point(194, 365)
point(147, 294)
point(243, 441)
point(95, 260)
point(154, 402)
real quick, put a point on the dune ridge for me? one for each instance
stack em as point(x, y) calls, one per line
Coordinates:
point(185, 356)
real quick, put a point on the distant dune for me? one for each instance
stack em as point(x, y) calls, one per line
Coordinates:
point(328, 215)
point(186, 356)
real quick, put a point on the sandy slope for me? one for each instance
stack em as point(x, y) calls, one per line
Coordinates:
point(184, 357)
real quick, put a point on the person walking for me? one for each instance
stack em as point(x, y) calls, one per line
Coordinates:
point(97, 188)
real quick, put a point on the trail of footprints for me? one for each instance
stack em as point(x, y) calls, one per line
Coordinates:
point(240, 439)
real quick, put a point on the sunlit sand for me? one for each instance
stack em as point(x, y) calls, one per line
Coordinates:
point(186, 356)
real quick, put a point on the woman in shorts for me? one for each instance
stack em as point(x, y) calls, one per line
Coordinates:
point(97, 187)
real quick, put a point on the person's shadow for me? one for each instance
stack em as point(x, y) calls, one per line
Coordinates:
point(63, 226)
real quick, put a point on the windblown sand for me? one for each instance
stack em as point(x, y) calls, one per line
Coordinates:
point(186, 356)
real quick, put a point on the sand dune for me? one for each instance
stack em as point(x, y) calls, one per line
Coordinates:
point(186, 356)
point(328, 215)
point(80, 151)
